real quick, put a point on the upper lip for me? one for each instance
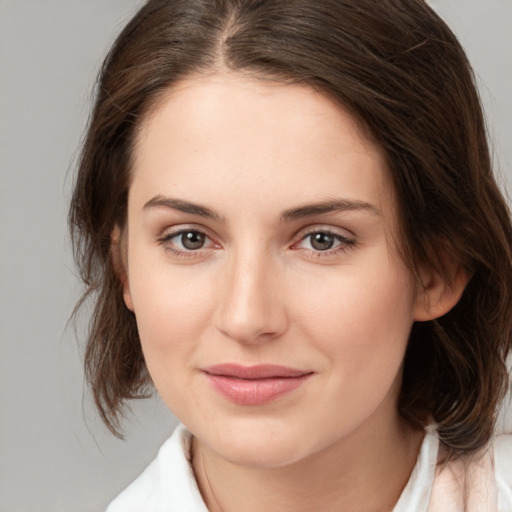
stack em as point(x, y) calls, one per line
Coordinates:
point(261, 371)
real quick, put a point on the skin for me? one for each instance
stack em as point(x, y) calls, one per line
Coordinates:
point(259, 292)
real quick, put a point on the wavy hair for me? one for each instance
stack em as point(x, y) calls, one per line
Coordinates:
point(398, 68)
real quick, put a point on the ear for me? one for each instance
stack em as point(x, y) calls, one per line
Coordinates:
point(439, 293)
point(118, 255)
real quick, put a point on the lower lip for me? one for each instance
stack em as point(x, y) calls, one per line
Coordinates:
point(255, 391)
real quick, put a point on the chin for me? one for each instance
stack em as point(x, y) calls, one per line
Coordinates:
point(264, 454)
point(269, 444)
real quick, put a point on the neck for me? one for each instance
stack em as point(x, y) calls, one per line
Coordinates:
point(366, 471)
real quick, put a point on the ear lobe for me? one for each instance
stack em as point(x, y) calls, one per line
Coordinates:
point(118, 255)
point(127, 296)
point(437, 294)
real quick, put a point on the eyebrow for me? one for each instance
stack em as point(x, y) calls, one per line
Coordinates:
point(182, 206)
point(331, 206)
point(291, 214)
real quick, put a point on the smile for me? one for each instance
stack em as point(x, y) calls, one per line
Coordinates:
point(254, 385)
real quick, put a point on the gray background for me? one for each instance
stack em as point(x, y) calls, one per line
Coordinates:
point(55, 455)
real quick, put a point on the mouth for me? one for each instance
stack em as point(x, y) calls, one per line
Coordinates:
point(254, 385)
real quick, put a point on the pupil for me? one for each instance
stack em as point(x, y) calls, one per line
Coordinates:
point(322, 241)
point(192, 240)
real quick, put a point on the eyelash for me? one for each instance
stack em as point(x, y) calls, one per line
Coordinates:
point(180, 253)
point(344, 243)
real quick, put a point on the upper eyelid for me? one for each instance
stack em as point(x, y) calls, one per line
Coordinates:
point(319, 228)
point(343, 240)
point(171, 231)
point(344, 233)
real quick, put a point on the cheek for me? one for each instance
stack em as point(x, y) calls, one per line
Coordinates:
point(362, 320)
point(170, 318)
point(378, 300)
point(172, 306)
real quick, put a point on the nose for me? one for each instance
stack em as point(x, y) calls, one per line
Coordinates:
point(251, 309)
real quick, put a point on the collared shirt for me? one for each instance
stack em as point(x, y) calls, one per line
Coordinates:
point(480, 484)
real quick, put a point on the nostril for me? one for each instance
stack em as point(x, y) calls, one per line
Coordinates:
point(249, 309)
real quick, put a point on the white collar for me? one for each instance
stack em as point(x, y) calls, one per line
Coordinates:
point(168, 484)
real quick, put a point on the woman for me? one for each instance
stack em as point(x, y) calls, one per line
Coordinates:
point(286, 215)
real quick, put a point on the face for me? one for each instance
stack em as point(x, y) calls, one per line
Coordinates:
point(272, 306)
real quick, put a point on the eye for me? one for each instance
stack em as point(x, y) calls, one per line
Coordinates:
point(191, 240)
point(186, 241)
point(324, 242)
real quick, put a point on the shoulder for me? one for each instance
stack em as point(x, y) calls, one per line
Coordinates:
point(502, 451)
point(167, 484)
point(479, 482)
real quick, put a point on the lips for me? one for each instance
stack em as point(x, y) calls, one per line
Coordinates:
point(254, 385)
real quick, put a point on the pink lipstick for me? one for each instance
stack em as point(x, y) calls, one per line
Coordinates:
point(254, 385)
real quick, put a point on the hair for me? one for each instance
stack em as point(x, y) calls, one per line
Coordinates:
point(401, 72)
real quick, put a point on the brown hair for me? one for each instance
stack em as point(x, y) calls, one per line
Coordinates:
point(399, 69)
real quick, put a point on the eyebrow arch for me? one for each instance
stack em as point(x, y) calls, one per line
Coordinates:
point(328, 207)
point(291, 214)
point(182, 206)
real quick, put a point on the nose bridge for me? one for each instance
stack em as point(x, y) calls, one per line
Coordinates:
point(250, 308)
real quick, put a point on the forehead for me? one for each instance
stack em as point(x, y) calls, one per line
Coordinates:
point(244, 135)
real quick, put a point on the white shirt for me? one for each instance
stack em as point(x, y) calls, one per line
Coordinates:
point(168, 483)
